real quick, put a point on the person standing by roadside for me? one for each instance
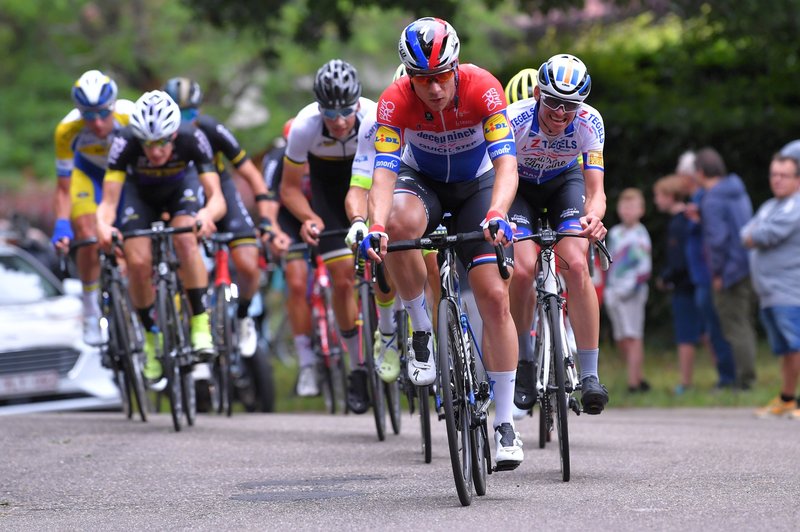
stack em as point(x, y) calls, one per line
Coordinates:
point(724, 210)
point(626, 286)
point(700, 275)
point(773, 238)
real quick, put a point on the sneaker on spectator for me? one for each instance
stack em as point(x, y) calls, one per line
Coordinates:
point(248, 339)
point(777, 408)
point(307, 382)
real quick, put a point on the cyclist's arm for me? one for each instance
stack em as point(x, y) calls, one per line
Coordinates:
point(292, 192)
point(505, 183)
point(253, 177)
point(215, 203)
point(380, 196)
point(62, 201)
point(595, 193)
point(355, 203)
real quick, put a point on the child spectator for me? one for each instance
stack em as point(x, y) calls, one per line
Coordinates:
point(669, 195)
point(626, 285)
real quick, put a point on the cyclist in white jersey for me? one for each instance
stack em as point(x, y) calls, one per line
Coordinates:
point(551, 131)
point(325, 134)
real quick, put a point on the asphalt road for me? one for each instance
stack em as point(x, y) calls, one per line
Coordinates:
point(709, 469)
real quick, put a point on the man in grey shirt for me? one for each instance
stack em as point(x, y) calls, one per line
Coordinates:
point(773, 237)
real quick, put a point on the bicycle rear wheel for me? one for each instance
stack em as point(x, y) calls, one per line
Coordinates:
point(187, 360)
point(366, 332)
point(559, 395)
point(167, 323)
point(391, 391)
point(456, 411)
point(224, 328)
point(124, 329)
point(481, 456)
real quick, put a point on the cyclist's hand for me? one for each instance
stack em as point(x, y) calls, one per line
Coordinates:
point(593, 227)
point(352, 234)
point(62, 234)
point(104, 232)
point(279, 243)
point(311, 229)
point(376, 235)
point(206, 224)
point(505, 231)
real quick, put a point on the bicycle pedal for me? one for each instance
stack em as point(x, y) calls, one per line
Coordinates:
point(573, 404)
point(506, 466)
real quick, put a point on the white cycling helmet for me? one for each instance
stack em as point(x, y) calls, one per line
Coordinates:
point(429, 46)
point(155, 116)
point(94, 90)
point(565, 76)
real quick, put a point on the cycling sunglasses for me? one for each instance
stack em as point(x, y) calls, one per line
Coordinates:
point(554, 103)
point(157, 143)
point(333, 114)
point(94, 115)
point(441, 78)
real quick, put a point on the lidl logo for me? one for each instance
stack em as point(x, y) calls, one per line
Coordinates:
point(496, 128)
point(387, 140)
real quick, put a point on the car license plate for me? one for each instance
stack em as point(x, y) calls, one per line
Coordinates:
point(22, 383)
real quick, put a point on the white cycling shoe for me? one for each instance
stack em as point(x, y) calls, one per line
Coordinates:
point(248, 338)
point(422, 366)
point(93, 333)
point(508, 447)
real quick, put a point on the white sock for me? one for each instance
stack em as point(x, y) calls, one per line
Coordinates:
point(305, 355)
point(502, 383)
point(386, 322)
point(91, 299)
point(418, 312)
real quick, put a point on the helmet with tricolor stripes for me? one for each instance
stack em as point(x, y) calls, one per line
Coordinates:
point(429, 46)
point(565, 76)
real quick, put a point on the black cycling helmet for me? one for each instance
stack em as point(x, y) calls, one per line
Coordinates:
point(186, 92)
point(336, 85)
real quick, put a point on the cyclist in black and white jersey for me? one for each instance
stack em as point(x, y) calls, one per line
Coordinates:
point(244, 246)
point(325, 134)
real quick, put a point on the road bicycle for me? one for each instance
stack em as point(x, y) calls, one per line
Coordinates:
point(123, 352)
point(331, 372)
point(172, 322)
point(463, 392)
point(384, 396)
point(556, 375)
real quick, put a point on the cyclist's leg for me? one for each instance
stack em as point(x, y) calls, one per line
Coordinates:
point(387, 356)
point(522, 292)
point(85, 193)
point(415, 208)
point(566, 207)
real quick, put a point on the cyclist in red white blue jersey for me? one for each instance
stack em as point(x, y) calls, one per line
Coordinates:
point(444, 144)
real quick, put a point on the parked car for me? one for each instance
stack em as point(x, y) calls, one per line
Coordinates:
point(44, 364)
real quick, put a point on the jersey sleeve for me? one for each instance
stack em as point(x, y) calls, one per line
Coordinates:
point(304, 129)
point(592, 137)
point(364, 160)
point(273, 169)
point(227, 143)
point(120, 154)
point(201, 153)
point(389, 134)
point(64, 136)
point(487, 95)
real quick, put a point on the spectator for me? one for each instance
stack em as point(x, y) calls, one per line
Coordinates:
point(773, 237)
point(626, 285)
point(669, 195)
point(724, 210)
point(697, 263)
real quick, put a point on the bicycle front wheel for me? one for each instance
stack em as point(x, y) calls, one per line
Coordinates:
point(423, 395)
point(366, 332)
point(124, 329)
point(560, 397)
point(391, 391)
point(456, 407)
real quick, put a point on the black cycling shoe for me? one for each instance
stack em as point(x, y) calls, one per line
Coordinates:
point(525, 385)
point(357, 399)
point(594, 395)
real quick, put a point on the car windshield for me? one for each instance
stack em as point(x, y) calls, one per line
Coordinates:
point(20, 282)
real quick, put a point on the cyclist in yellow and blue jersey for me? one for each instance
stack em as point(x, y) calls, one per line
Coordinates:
point(244, 250)
point(82, 140)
